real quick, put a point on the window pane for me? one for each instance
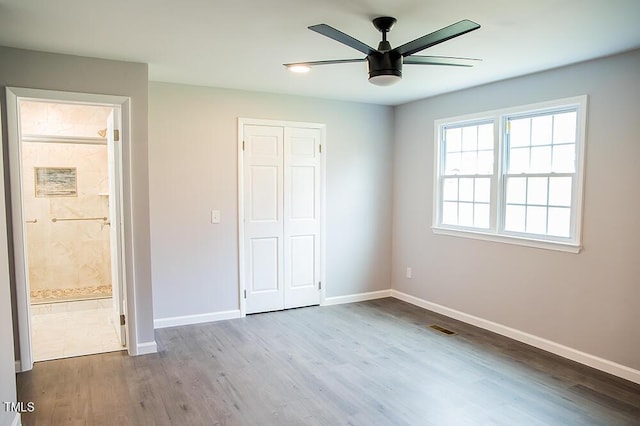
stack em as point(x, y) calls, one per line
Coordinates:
point(536, 220)
point(516, 190)
point(485, 162)
point(537, 191)
point(470, 138)
point(485, 136)
point(564, 158)
point(540, 159)
point(466, 189)
point(514, 218)
point(518, 160)
point(481, 216)
point(452, 163)
point(453, 138)
point(564, 127)
point(483, 190)
point(519, 132)
point(560, 191)
point(559, 222)
point(469, 163)
point(450, 213)
point(541, 130)
point(450, 190)
point(465, 217)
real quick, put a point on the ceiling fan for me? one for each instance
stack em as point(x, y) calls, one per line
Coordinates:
point(384, 63)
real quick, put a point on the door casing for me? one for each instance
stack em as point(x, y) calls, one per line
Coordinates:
point(14, 95)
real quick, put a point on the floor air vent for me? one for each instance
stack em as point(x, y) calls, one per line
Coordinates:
point(441, 329)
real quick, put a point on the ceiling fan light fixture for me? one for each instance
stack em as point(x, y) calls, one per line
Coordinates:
point(384, 68)
point(300, 68)
point(384, 79)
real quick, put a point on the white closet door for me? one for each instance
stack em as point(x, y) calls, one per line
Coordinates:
point(301, 217)
point(264, 221)
point(282, 224)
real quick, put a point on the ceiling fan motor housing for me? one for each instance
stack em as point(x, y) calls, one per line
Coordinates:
point(384, 63)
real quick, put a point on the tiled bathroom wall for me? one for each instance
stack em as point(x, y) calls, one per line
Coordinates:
point(67, 254)
point(67, 259)
point(55, 119)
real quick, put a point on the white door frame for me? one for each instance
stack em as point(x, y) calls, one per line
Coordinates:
point(14, 95)
point(241, 264)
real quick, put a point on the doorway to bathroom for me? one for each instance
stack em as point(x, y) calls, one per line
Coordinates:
point(67, 160)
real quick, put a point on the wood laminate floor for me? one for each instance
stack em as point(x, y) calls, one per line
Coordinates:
point(369, 363)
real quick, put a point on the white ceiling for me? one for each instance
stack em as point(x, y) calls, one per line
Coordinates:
point(242, 44)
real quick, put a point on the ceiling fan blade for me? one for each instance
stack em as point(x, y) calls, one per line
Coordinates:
point(314, 63)
point(343, 38)
point(436, 37)
point(440, 60)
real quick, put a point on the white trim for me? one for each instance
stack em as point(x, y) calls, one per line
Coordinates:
point(18, 366)
point(146, 348)
point(323, 180)
point(241, 265)
point(17, 420)
point(508, 239)
point(535, 341)
point(279, 123)
point(121, 103)
point(359, 297)
point(19, 231)
point(323, 215)
point(196, 319)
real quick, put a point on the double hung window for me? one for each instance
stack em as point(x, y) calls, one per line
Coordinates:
point(513, 175)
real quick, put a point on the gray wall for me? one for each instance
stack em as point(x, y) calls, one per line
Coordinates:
point(37, 70)
point(193, 170)
point(586, 301)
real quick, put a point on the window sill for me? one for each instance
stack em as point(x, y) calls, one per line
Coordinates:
point(507, 239)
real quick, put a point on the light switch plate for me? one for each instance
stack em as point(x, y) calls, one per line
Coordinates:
point(215, 216)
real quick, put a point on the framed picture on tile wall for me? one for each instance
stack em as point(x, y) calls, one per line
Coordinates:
point(56, 182)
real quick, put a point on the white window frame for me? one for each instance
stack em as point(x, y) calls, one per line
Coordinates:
point(496, 232)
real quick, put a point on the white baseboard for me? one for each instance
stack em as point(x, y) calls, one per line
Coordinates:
point(18, 366)
point(146, 348)
point(17, 420)
point(195, 319)
point(538, 342)
point(360, 297)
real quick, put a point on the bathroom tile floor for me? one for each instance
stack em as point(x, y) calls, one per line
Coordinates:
point(68, 329)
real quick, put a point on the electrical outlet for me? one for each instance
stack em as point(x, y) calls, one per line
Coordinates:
point(409, 272)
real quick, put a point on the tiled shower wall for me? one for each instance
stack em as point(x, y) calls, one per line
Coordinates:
point(67, 254)
point(66, 257)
